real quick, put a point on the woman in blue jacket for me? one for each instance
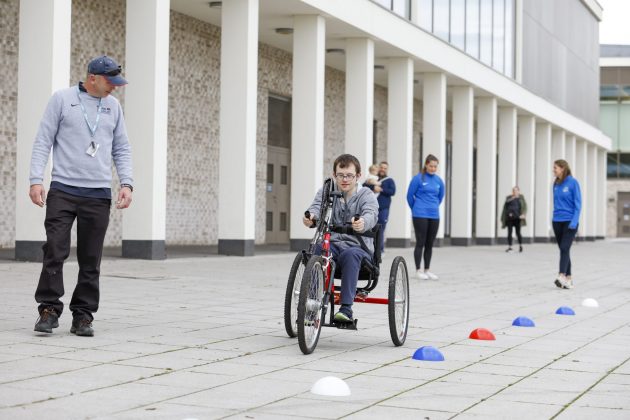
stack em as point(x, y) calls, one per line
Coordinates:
point(424, 196)
point(567, 202)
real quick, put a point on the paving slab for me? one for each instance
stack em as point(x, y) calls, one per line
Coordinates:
point(203, 337)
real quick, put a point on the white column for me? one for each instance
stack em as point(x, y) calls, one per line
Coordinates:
point(485, 216)
point(399, 147)
point(434, 126)
point(544, 169)
point(43, 68)
point(307, 148)
point(415, 12)
point(462, 165)
point(527, 170)
point(360, 99)
point(591, 233)
point(146, 115)
point(506, 179)
point(558, 145)
point(237, 176)
point(602, 201)
point(570, 150)
point(580, 173)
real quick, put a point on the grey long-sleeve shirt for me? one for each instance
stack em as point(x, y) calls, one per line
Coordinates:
point(362, 202)
point(64, 129)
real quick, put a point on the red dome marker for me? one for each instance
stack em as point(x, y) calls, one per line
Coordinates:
point(481, 334)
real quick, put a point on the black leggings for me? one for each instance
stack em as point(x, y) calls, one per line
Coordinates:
point(426, 231)
point(516, 224)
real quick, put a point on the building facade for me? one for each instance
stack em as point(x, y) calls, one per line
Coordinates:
point(236, 110)
point(615, 122)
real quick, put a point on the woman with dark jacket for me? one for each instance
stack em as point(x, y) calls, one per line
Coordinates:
point(513, 216)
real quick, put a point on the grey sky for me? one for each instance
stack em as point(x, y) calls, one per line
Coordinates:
point(614, 29)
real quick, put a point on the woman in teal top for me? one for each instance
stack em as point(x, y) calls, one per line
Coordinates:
point(567, 203)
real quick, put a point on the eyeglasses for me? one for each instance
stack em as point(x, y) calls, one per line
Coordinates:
point(345, 177)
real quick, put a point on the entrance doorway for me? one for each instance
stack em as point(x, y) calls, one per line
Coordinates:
point(623, 214)
point(278, 170)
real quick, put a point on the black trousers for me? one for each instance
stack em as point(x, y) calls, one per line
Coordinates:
point(426, 231)
point(564, 238)
point(92, 215)
point(516, 224)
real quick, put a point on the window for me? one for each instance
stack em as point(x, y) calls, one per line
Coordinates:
point(402, 8)
point(269, 224)
point(485, 28)
point(458, 23)
point(283, 222)
point(279, 122)
point(441, 19)
point(270, 173)
point(624, 165)
point(498, 37)
point(425, 12)
point(509, 38)
point(612, 167)
point(284, 175)
point(472, 27)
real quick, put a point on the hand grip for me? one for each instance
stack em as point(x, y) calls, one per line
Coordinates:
point(307, 214)
point(357, 217)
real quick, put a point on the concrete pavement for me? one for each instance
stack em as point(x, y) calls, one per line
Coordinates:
point(203, 338)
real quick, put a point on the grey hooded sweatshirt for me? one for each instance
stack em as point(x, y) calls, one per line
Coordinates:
point(363, 202)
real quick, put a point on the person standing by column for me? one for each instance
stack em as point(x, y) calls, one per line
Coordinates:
point(567, 204)
point(424, 196)
point(386, 189)
point(513, 216)
point(85, 128)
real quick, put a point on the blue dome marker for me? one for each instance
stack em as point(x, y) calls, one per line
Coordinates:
point(523, 321)
point(428, 353)
point(565, 310)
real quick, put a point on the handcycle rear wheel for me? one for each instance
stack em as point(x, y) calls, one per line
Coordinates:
point(398, 297)
point(292, 295)
point(311, 304)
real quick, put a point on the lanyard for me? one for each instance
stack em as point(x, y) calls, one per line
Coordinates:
point(98, 114)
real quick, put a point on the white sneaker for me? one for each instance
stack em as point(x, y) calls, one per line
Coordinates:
point(421, 275)
point(568, 284)
point(431, 276)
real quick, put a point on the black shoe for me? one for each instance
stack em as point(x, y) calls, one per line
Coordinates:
point(509, 249)
point(48, 320)
point(82, 327)
point(520, 248)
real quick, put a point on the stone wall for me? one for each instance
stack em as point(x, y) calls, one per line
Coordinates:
point(9, 10)
point(193, 120)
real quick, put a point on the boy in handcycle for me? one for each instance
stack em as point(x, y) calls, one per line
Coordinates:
point(347, 250)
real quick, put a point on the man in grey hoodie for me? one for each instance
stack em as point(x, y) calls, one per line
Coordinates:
point(346, 249)
point(85, 128)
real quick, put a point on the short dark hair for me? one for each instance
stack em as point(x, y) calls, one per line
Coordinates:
point(345, 160)
point(384, 162)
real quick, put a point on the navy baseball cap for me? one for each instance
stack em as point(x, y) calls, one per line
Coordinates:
point(108, 68)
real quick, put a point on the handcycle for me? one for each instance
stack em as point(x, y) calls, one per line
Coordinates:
point(311, 290)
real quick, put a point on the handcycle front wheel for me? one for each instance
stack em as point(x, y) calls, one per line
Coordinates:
point(311, 304)
point(398, 297)
point(292, 295)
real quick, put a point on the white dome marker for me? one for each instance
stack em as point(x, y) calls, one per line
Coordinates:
point(331, 386)
point(590, 303)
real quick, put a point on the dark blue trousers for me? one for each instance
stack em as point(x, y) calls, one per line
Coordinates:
point(564, 238)
point(349, 260)
point(383, 218)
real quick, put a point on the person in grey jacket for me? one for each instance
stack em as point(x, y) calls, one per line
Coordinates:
point(85, 128)
point(346, 249)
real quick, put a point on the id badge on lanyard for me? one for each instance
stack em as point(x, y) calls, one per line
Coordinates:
point(93, 146)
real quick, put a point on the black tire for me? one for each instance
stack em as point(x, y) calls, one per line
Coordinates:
point(398, 306)
point(311, 304)
point(292, 296)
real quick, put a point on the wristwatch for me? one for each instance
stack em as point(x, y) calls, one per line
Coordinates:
point(127, 185)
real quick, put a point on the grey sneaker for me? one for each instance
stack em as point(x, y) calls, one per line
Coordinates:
point(47, 320)
point(82, 327)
